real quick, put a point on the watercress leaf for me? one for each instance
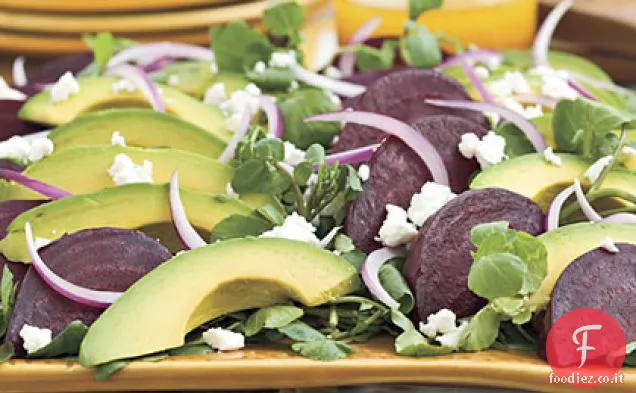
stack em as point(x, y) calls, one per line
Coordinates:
point(513, 336)
point(269, 148)
point(238, 47)
point(300, 331)
point(103, 45)
point(419, 47)
point(522, 318)
point(324, 350)
point(7, 298)
point(272, 79)
point(533, 252)
point(302, 172)
point(394, 283)
point(482, 330)
point(6, 351)
point(105, 371)
point(418, 7)
point(517, 143)
point(302, 104)
point(413, 343)
point(509, 306)
point(157, 357)
point(272, 317)
point(260, 177)
point(239, 226)
point(354, 184)
point(273, 212)
point(343, 243)
point(497, 275)
point(356, 258)
point(630, 358)
point(284, 19)
point(189, 350)
point(66, 343)
point(369, 58)
point(481, 231)
point(315, 154)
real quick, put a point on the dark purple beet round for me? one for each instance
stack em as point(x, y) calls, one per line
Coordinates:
point(8, 164)
point(438, 263)
point(50, 71)
point(601, 280)
point(397, 172)
point(401, 95)
point(11, 124)
point(107, 259)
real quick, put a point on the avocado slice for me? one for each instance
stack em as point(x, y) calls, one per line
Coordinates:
point(532, 176)
point(567, 243)
point(84, 169)
point(190, 289)
point(97, 93)
point(140, 127)
point(132, 206)
point(195, 77)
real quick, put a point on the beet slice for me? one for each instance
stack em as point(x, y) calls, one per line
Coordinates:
point(438, 263)
point(601, 280)
point(397, 172)
point(11, 209)
point(50, 71)
point(8, 164)
point(401, 95)
point(108, 259)
point(11, 124)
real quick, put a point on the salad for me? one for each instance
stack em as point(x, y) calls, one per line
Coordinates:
point(164, 199)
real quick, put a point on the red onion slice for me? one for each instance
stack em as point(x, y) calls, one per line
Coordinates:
point(76, 293)
point(347, 62)
point(47, 190)
point(600, 84)
point(244, 127)
point(341, 88)
point(583, 92)
point(479, 55)
point(586, 207)
point(185, 230)
point(148, 53)
point(620, 218)
point(536, 100)
point(554, 211)
point(370, 274)
point(544, 36)
point(19, 74)
point(157, 65)
point(141, 80)
point(274, 117)
point(411, 137)
point(476, 82)
point(517, 119)
point(353, 156)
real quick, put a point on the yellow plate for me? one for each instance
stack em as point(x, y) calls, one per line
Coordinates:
point(135, 23)
point(104, 6)
point(276, 367)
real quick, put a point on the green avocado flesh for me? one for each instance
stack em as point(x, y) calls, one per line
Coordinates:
point(97, 93)
point(567, 243)
point(140, 128)
point(131, 206)
point(157, 311)
point(84, 169)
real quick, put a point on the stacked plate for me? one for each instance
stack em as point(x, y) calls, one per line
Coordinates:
point(53, 27)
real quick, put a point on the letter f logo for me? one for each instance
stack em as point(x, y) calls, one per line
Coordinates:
point(583, 344)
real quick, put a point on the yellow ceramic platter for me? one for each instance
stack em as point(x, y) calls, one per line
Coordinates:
point(276, 367)
point(104, 6)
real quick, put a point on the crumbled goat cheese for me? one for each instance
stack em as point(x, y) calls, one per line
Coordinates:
point(295, 227)
point(117, 139)
point(123, 85)
point(40, 148)
point(214, 68)
point(628, 150)
point(282, 59)
point(26, 151)
point(35, 338)
point(64, 87)
point(594, 171)
point(223, 340)
point(554, 83)
point(396, 230)
point(511, 83)
point(490, 150)
point(260, 67)
point(173, 80)
point(334, 99)
point(8, 93)
point(444, 324)
point(293, 155)
point(549, 156)
point(468, 145)
point(533, 111)
point(230, 191)
point(242, 103)
point(608, 245)
point(451, 339)
point(215, 94)
point(494, 62)
point(529, 112)
point(482, 72)
point(40, 242)
point(429, 200)
point(293, 86)
point(364, 171)
point(125, 171)
point(333, 72)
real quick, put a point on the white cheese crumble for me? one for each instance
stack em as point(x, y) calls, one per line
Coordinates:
point(293, 155)
point(242, 103)
point(26, 151)
point(494, 62)
point(529, 112)
point(428, 201)
point(293, 86)
point(223, 340)
point(628, 150)
point(123, 85)
point(214, 68)
point(40, 242)
point(549, 156)
point(396, 230)
point(488, 151)
point(260, 67)
point(333, 72)
point(40, 148)
point(295, 227)
point(117, 139)
point(451, 339)
point(8, 93)
point(282, 59)
point(334, 99)
point(510, 83)
point(35, 338)
point(608, 245)
point(481, 72)
point(442, 326)
point(554, 83)
point(173, 80)
point(364, 171)
point(66, 86)
point(594, 171)
point(215, 94)
point(125, 171)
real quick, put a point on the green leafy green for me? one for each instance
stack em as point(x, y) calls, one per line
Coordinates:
point(272, 79)
point(7, 299)
point(482, 330)
point(356, 258)
point(273, 212)
point(369, 58)
point(418, 7)
point(272, 317)
point(630, 358)
point(505, 270)
point(517, 144)
point(238, 47)
point(343, 243)
point(6, 351)
point(302, 104)
point(513, 336)
point(411, 342)
point(104, 45)
point(260, 177)
point(190, 350)
point(315, 154)
point(481, 231)
point(324, 350)
point(239, 226)
point(105, 371)
point(419, 47)
point(285, 19)
point(303, 172)
point(66, 343)
point(394, 283)
point(300, 331)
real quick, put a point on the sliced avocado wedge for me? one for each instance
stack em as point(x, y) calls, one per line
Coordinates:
point(140, 128)
point(208, 282)
point(97, 94)
point(131, 206)
point(84, 169)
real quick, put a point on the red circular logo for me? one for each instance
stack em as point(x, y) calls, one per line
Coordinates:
point(586, 348)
